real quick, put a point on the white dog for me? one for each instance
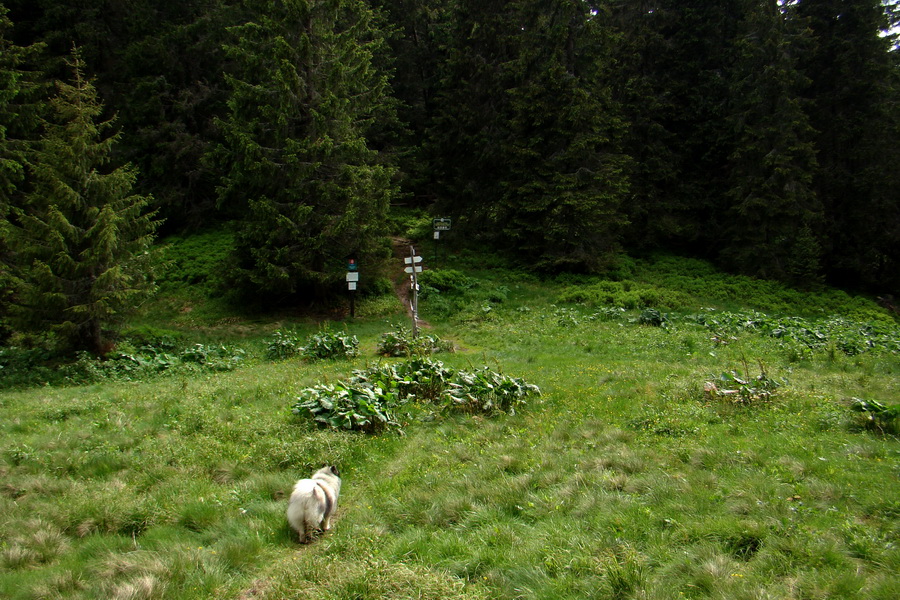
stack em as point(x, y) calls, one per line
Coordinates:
point(313, 502)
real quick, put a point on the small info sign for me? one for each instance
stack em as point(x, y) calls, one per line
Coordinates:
point(441, 224)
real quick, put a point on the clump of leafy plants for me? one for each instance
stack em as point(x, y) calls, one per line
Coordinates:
point(196, 261)
point(839, 333)
point(622, 294)
point(653, 317)
point(369, 399)
point(416, 379)
point(486, 391)
point(283, 344)
point(743, 388)
point(400, 342)
point(216, 357)
point(134, 364)
point(877, 416)
point(349, 405)
point(329, 345)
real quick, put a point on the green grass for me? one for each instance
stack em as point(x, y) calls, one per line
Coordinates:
point(625, 479)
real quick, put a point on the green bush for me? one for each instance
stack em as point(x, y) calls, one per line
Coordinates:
point(146, 336)
point(368, 400)
point(214, 357)
point(400, 342)
point(283, 344)
point(379, 286)
point(877, 416)
point(348, 405)
point(486, 391)
point(447, 281)
point(197, 260)
point(623, 294)
point(25, 366)
point(328, 345)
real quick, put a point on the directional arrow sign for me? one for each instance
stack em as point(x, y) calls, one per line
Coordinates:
point(417, 268)
point(412, 259)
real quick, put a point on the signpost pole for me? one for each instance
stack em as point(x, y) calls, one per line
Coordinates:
point(415, 293)
point(352, 280)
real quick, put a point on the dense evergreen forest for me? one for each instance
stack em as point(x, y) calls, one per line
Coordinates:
point(761, 134)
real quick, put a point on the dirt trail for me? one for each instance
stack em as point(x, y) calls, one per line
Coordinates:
point(403, 289)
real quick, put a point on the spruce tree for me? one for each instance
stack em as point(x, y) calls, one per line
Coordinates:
point(20, 107)
point(561, 205)
point(531, 137)
point(774, 210)
point(643, 41)
point(83, 256)
point(297, 164)
point(853, 93)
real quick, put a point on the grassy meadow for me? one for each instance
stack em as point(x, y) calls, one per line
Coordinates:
point(695, 437)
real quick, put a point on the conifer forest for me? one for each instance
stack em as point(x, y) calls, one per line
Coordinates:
point(763, 135)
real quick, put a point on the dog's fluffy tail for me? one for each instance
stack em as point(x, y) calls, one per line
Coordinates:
point(307, 507)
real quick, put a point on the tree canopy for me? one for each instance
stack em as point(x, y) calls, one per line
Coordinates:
point(81, 240)
point(756, 133)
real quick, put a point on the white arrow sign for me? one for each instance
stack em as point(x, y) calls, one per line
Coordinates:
point(410, 269)
point(412, 259)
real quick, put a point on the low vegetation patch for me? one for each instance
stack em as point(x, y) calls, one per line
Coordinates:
point(369, 400)
point(330, 345)
point(167, 477)
point(399, 341)
point(877, 416)
point(743, 388)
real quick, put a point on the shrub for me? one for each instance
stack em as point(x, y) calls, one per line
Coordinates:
point(197, 260)
point(327, 345)
point(877, 416)
point(347, 405)
point(283, 344)
point(367, 401)
point(150, 337)
point(623, 294)
point(400, 342)
point(486, 391)
point(213, 357)
point(379, 286)
point(448, 281)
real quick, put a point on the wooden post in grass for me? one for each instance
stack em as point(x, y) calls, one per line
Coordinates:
point(352, 280)
point(414, 267)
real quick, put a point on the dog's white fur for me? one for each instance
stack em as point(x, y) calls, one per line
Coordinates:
point(313, 502)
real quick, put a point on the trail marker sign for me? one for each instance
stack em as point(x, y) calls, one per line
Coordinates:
point(441, 224)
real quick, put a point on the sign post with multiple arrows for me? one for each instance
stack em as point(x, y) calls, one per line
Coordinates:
point(413, 267)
